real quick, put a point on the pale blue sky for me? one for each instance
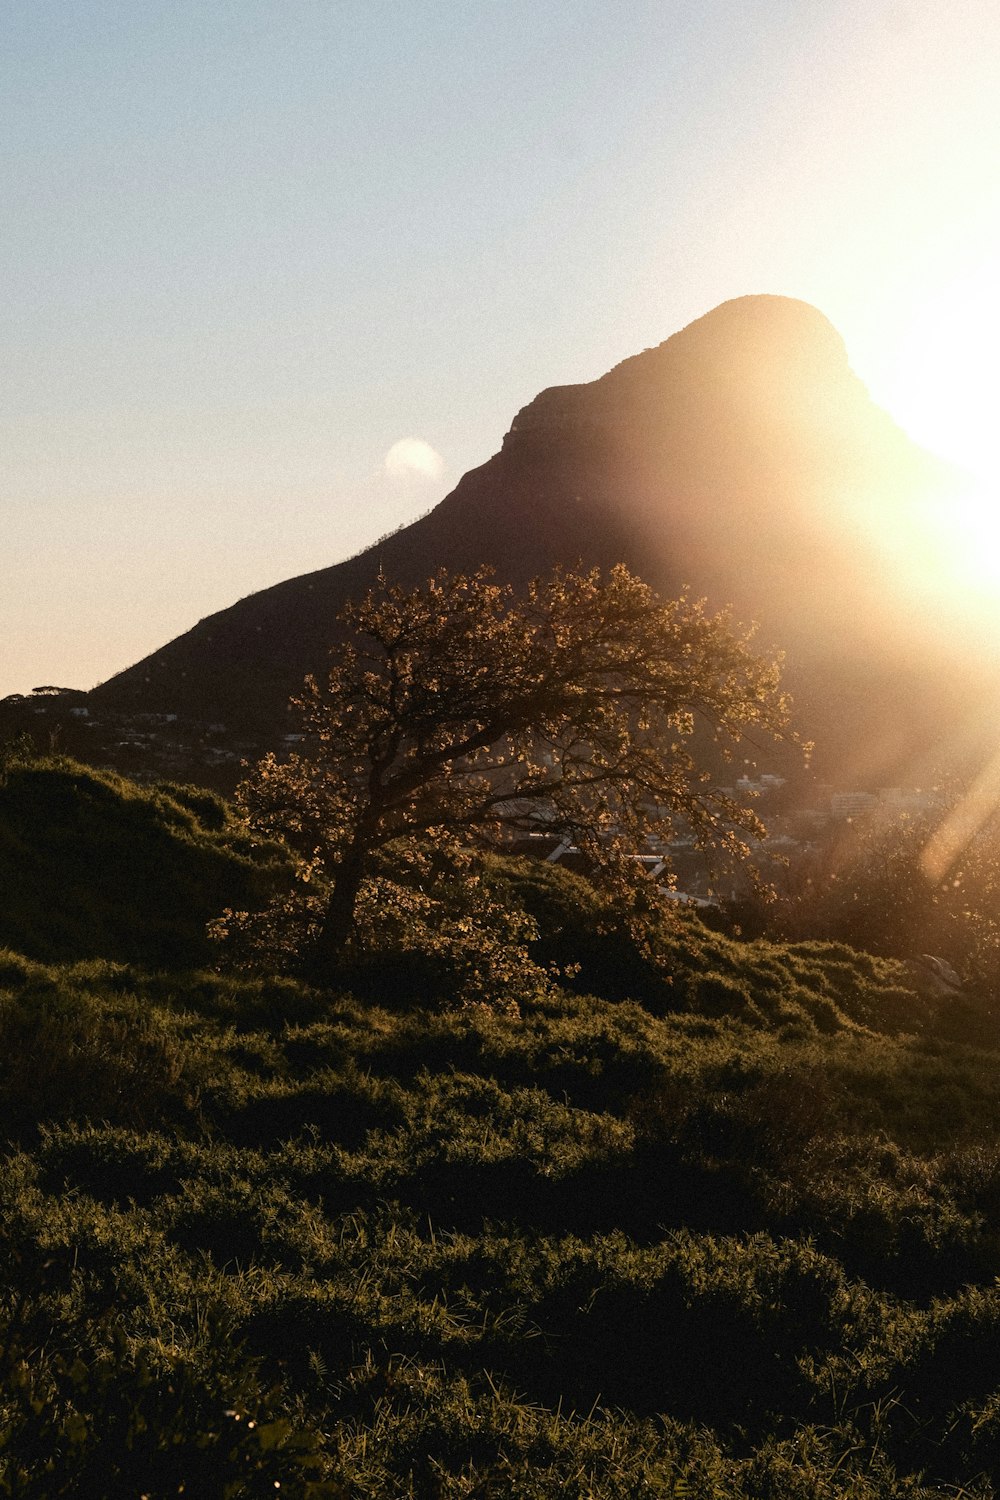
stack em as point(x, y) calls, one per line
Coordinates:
point(248, 247)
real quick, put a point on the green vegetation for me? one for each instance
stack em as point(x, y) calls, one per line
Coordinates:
point(696, 1217)
point(92, 865)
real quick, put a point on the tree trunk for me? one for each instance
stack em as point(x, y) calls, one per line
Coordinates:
point(338, 919)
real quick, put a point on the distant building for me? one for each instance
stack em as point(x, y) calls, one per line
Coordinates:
point(901, 799)
point(844, 805)
point(761, 786)
point(894, 801)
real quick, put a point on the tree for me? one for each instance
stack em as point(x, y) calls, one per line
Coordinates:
point(460, 709)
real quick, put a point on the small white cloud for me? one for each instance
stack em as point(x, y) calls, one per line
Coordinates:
point(412, 458)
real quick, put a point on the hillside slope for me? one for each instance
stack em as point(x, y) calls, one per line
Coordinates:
point(94, 866)
point(587, 1252)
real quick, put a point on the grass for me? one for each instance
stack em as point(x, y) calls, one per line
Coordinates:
point(706, 1218)
point(95, 866)
point(593, 1251)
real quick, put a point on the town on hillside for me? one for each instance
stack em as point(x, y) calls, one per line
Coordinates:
point(804, 816)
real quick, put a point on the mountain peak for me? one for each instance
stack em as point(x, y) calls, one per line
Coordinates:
point(753, 347)
point(735, 457)
point(758, 327)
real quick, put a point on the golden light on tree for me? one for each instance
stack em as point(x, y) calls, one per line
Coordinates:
point(459, 710)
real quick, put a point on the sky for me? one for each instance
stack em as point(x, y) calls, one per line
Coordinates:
point(277, 272)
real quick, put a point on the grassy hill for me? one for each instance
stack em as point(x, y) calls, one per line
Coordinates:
point(712, 1218)
point(592, 1251)
point(94, 865)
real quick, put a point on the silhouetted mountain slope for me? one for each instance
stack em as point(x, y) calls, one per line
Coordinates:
point(742, 457)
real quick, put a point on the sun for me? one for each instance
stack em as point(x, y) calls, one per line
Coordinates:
point(944, 391)
point(944, 388)
point(972, 516)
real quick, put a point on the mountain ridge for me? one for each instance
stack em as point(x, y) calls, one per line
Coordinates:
point(742, 456)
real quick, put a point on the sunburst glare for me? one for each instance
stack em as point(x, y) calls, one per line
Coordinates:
point(944, 383)
point(942, 391)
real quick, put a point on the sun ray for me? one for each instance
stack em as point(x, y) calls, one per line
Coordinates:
point(963, 822)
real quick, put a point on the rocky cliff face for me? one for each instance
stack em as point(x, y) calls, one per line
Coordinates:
point(741, 457)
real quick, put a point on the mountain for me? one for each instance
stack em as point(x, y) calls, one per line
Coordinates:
point(742, 457)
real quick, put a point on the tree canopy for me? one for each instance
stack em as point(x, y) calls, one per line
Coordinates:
point(460, 709)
